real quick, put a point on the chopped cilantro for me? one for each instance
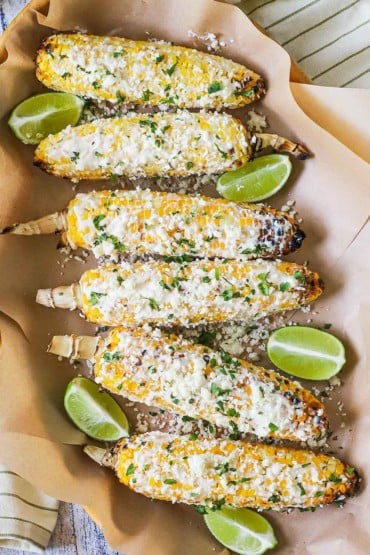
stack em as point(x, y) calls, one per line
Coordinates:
point(301, 488)
point(228, 294)
point(120, 97)
point(117, 54)
point(235, 433)
point(171, 69)
point(223, 468)
point(219, 391)
point(245, 93)
point(299, 276)
point(232, 412)
point(218, 504)
point(201, 509)
point(264, 288)
point(95, 296)
point(164, 285)
point(75, 156)
point(222, 152)
point(113, 177)
point(284, 286)
point(96, 85)
point(154, 305)
point(179, 259)
point(96, 221)
point(274, 498)
point(207, 338)
point(146, 95)
point(117, 243)
point(159, 59)
point(273, 427)
point(215, 87)
point(170, 481)
point(189, 165)
point(257, 250)
point(111, 357)
point(130, 469)
point(193, 437)
point(149, 123)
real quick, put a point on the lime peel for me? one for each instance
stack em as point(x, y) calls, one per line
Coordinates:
point(94, 412)
point(257, 180)
point(38, 116)
point(306, 352)
point(243, 531)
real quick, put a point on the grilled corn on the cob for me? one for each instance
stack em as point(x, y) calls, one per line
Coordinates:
point(122, 70)
point(172, 373)
point(137, 145)
point(176, 294)
point(167, 224)
point(213, 472)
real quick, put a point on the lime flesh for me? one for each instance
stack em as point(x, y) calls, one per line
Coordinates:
point(306, 352)
point(241, 530)
point(93, 411)
point(39, 116)
point(257, 180)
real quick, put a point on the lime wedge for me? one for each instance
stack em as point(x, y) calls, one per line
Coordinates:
point(38, 116)
point(306, 352)
point(257, 180)
point(241, 530)
point(93, 411)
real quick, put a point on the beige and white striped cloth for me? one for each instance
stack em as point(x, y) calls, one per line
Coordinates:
point(27, 515)
point(330, 39)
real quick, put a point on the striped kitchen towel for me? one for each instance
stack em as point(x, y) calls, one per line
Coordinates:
point(27, 515)
point(330, 39)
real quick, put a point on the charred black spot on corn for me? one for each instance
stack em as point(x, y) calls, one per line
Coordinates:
point(297, 240)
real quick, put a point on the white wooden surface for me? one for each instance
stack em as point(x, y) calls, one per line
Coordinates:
point(74, 534)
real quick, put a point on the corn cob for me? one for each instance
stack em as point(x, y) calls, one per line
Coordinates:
point(174, 294)
point(145, 222)
point(138, 145)
point(212, 473)
point(122, 70)
point(172, 373)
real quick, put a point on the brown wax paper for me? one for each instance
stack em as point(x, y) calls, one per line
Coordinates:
point(332, 193)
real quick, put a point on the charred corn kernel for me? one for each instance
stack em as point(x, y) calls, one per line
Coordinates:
point(121, 70)
point(136, 145)
point(179, 294)
point(213, 472)
point(168, 224)
point(172, 373)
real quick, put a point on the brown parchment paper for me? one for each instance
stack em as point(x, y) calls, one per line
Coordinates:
point(332, 194)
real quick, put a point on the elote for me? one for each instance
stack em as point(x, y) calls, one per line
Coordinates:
point(178, 294)
point(172, 373)
point(143, 222)
point(139, 145)
point(120, 70)
point(212, 473)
